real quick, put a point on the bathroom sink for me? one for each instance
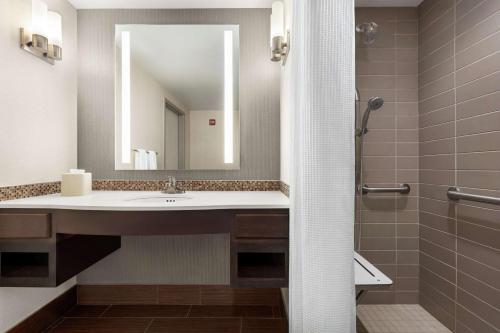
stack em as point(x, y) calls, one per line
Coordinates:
point(159, 199)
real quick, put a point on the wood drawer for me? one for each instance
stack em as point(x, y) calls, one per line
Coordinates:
point(261, 226)
point(24, 226)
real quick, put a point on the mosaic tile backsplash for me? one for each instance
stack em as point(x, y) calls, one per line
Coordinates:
point(285, 189)
point(187, 185)
point(31, 190)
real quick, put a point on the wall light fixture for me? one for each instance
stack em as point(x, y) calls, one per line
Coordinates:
point(280, 46)
point(44, 38)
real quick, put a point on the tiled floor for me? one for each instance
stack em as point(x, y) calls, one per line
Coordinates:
point(400, 318)
point(171, 319)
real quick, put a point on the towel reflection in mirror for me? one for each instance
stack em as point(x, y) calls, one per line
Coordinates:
point(145, 159)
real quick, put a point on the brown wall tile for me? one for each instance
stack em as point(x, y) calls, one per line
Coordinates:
point(479, 271)
point(437, 267)
point(459, 124)
point(443, 285)
point(479, 289)
point(436, 72)
point(437, 297)
point(444, 239)
point(478, 32)
point(480, 253)
point(481, 309)
point(438, 252)
point(438, 312)
point(476, 15)
point(477, 51)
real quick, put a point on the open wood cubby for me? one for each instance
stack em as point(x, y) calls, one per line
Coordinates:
point(33, 254)
point(24, 264)
point(259, 250)
point(261, 265)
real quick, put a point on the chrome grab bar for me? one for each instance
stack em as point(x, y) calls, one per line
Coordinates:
point(403, 189)
point(454, 193)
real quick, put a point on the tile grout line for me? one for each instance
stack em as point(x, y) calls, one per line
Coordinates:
point(470, 9)
point(486, 284)
point(479, 41)
point(429, 24)
point(104, 312)
point(456, 157)
point(396, 123)
point(149, 325)
point(476, 24)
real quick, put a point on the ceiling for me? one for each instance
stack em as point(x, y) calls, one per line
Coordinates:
point(86, 4)
point(388, 3)
point(187, 60)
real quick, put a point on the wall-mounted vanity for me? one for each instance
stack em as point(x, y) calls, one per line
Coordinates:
point(47, 240)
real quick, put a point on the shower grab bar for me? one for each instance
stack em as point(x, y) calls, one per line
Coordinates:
point(403, 189)
point(454, 193)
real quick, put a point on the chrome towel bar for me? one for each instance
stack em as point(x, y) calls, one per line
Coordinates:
point(146, 151)
point(403, 189)
point(454, 193)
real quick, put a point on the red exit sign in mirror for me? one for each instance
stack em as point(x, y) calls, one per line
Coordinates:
point(211, 122)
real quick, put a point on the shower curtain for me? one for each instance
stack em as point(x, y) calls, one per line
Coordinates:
point(321, 91)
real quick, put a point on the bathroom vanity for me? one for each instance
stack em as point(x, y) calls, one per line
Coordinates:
point(48, 239)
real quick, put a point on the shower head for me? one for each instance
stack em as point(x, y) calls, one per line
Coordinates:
point(368, 31)
point(374, 103)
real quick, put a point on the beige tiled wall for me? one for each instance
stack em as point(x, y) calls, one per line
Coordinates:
point(389, 223)
point(459, 124)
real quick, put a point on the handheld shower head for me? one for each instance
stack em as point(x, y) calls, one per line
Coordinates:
point(374, 103)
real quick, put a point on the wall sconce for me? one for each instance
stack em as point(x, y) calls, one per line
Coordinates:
point(279, 45)
point(44, 39)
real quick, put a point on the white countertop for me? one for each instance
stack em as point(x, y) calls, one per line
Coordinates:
point(138, 200)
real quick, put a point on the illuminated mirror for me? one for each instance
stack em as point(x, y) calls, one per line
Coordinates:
point(177, 97)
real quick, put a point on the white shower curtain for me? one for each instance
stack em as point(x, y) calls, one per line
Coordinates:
point(322, 89)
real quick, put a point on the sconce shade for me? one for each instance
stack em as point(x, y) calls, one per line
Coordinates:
point(277, 20)
point(39, 17)
point(44, 38)
point(55, 28)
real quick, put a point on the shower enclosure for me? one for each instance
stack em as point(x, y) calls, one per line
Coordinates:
point(386, 141)
point(437, 68)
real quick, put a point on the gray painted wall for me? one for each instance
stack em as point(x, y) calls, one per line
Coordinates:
point(259, 91)
point(192, 259)
point(181, 259)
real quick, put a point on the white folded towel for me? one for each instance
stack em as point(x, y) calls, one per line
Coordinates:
point(140, 159)
point(152, 160)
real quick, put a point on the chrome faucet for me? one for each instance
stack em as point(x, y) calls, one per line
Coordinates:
point(171, 186)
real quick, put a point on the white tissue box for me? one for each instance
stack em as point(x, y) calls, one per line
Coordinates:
point(76, 184)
